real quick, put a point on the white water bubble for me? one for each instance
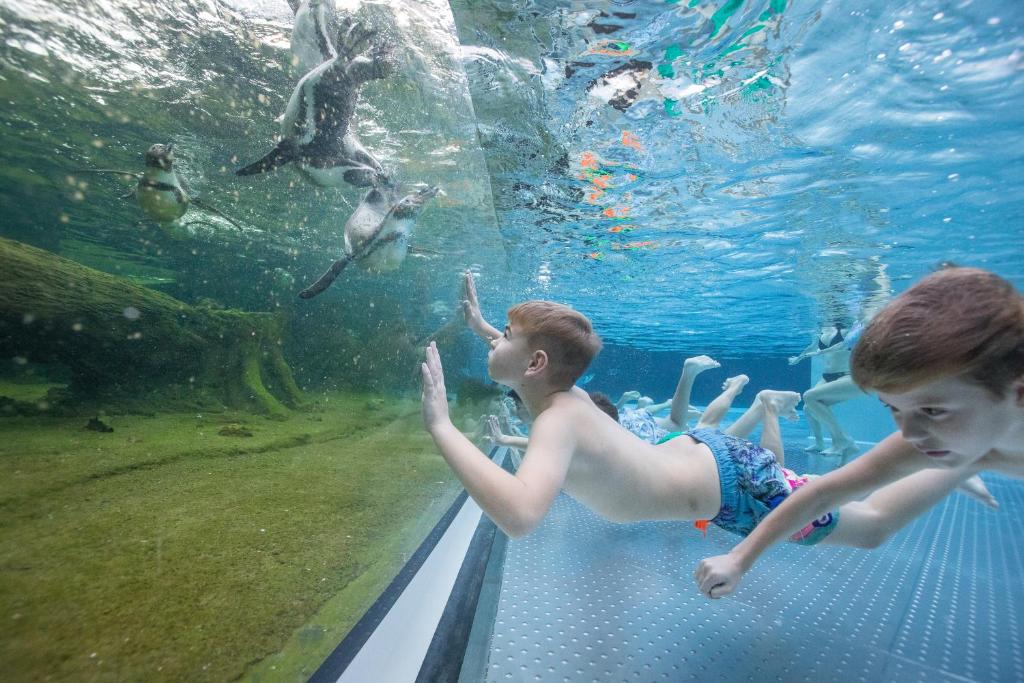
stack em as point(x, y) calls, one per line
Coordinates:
point(131, 313)
point(938, 16)
point(993, 21)
point(953, 177)
point(880, 56)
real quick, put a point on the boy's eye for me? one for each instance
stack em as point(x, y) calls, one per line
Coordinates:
point(889, 407)
point(933, 412)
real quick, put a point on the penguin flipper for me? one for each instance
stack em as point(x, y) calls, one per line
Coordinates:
point(327, 279)
point(214, 210)
point(283, 153)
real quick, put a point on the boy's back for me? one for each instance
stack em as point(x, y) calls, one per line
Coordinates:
point(618, 475)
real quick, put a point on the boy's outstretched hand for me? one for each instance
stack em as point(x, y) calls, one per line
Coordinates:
point(470, 303)
point(435, 400)
point(719, 575)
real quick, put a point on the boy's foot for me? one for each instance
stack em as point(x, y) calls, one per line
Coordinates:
point(815, 448)
point(700, 364)
point(735, 383)
point(782, 403)
point(975, 488)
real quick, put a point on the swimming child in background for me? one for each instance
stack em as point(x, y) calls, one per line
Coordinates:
point(947, 358)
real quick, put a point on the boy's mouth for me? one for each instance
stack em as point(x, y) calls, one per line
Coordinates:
point(936, 454)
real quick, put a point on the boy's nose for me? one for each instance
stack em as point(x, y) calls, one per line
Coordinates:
point(912, 429)
point(494, 342)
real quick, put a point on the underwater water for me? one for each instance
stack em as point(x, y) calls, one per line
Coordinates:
point(705, 176)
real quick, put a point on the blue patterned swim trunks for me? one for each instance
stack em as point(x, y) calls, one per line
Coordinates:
point(753, 484)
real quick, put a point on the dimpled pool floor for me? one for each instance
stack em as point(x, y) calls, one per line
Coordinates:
point(585, 599)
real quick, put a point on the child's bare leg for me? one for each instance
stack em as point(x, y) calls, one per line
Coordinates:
point(771, 435)
point(748, 420)
point(681, 399)
point(812, 422)
point(785, 401)
point(870, 522)
point(718, 408)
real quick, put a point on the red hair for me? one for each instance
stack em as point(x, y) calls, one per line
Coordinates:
point(565, 335)
point(955, 321)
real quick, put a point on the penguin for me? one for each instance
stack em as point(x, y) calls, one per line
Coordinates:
point(312, 44)
point(377, 233)
point(160, 191)
point(315, 126)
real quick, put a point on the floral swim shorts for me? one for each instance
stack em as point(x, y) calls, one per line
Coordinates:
point(753, 484)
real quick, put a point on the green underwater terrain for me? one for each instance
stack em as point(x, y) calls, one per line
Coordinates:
point(206, 546)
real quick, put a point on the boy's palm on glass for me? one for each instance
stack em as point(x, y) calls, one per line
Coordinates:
point(435, 400)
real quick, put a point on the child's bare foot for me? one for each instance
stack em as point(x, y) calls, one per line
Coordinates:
point(700, 364)
point(782, 403)
point(735, 383)
point(975, 488)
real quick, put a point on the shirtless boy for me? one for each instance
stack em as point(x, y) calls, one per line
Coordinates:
point(574, 446)
point(947, 358)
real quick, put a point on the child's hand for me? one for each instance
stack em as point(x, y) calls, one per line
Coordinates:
point(719, 575)
point(630, 395)
point(470, 304)
point(435, 400)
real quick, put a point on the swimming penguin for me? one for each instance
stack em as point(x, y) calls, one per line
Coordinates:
point(312, 41)
point(315, 126)
point(377, 233)
point(161, 192)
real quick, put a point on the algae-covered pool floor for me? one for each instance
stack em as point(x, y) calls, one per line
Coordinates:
point(164, 550)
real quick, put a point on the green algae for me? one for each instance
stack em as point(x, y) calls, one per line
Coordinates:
point(163, 551)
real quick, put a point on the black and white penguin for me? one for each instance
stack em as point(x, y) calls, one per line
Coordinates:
point(313, 34)
point(160, 191)
point(315, 126)
point(377, 233)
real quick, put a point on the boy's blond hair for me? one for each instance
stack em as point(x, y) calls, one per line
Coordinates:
point(955, 321)
point(565, 335)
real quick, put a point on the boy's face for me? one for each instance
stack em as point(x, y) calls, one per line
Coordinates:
point(956, 421)
point(509, 357)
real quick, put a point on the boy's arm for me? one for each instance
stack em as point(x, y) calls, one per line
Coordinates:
point(891, 459)
point(471, 309)
point(516, 503)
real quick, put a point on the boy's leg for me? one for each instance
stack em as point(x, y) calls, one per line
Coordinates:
point(870, 522)
point(817, 402)
point(717, 409)
point(681, 399)
point(812, 422)
point(771, 435)
point(785, 406)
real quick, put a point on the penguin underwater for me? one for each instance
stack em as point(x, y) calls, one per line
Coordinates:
point(311, 33)
point(160, 191)
point(376, 233)
point(315, 126)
